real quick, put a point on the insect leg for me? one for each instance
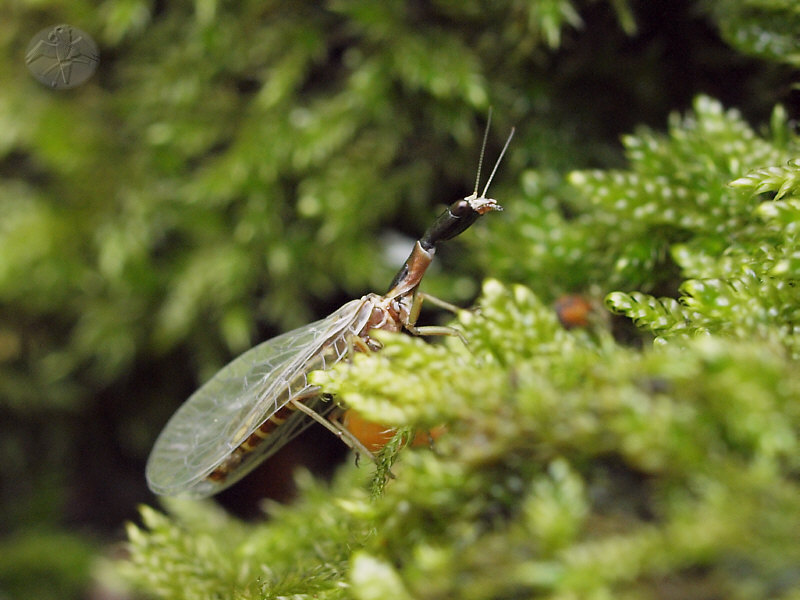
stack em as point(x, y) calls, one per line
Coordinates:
point(413, 314)
point(439, 302)
point(356, 343)
point(336, 428)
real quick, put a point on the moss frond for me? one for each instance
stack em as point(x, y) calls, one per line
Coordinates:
point(743, 285)
point(192, 551)
point(779, 180)
point(302, 552)
point(763, 28)
point(570, 465)
point(617, 228)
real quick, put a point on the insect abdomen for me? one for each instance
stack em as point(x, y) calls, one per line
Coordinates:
point(261, 433)
point(297, 390)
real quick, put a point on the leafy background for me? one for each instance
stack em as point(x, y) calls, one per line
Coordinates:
point(234, 170)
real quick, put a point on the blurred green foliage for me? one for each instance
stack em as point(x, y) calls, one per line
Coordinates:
point(235, 169)
point(35, 563)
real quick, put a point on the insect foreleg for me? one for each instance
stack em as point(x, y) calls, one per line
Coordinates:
point(355, 343)
point(413, 315)
point(438, 302)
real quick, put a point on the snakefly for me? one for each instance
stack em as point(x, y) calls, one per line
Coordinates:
point(263, 398)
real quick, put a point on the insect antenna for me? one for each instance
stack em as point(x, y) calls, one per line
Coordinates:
point(496, 164)
point(483, 149)
point(461, 213)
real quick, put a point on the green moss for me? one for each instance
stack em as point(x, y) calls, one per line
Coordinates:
point(738, 259)
point(230, 171)
point(572, 465)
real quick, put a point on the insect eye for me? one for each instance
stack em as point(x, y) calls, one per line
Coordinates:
point(460, 208)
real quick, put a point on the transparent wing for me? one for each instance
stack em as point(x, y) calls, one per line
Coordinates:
point(232, 404)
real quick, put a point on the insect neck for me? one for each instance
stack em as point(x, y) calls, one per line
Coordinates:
point(452, 222)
